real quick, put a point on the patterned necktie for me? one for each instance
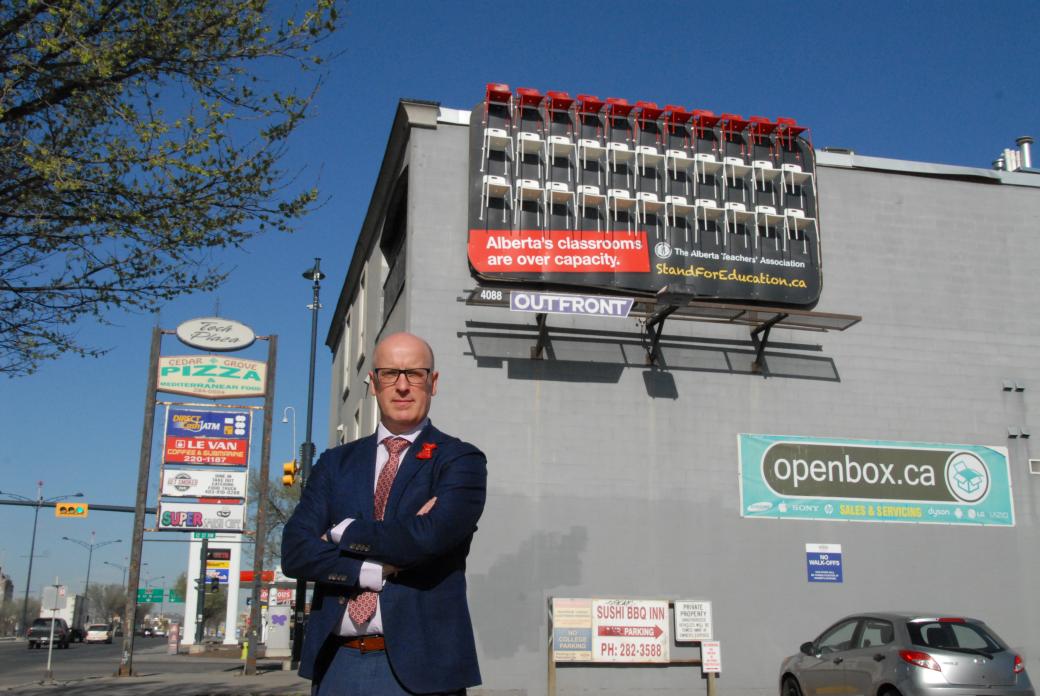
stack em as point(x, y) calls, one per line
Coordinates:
point(363, 607)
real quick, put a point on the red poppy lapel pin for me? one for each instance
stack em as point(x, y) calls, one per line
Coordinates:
point(427, 451)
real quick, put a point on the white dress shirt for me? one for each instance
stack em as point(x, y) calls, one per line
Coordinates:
point(371, 575)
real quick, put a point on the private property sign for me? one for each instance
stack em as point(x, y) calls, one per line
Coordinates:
point(212, 376)
point(621, 630)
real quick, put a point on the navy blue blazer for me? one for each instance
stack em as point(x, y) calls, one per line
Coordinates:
point(426, 622)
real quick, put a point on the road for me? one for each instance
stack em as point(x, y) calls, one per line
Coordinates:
point(19, 665)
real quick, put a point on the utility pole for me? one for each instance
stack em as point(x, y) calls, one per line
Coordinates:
point(126, 661)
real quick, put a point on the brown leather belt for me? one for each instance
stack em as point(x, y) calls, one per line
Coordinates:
point(365, 644)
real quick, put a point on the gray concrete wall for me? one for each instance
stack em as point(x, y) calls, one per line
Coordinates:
point(610, 479)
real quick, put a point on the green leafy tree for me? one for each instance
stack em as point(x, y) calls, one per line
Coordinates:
point(138, 137)
point(107, 602)
point(11, 615)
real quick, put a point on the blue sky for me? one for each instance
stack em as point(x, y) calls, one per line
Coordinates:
point(952, 82)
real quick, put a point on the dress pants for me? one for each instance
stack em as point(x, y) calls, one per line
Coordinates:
point(354, 673)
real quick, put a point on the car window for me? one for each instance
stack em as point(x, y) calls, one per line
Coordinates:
point(876, 632)
point(947, 634)
point(837, 638)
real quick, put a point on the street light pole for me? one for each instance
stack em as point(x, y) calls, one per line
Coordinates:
point(90, 558)
point(39, 501)
point(314, 275)
point(162, 600)
point(285, 419)
point(122, 568)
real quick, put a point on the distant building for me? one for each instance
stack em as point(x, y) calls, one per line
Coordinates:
point(6, 588)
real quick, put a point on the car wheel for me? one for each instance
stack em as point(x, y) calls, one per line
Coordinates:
point(790, 687)
point(890, 691)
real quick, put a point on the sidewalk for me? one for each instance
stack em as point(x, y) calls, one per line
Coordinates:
point(214, 677)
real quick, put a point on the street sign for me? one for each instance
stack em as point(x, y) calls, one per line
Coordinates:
point(53, 598)
point(175, 597)
point(150, 595)
point(711, 657)
point(204, 535)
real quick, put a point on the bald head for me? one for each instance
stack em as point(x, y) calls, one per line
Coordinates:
point(403, 339)
point(403, 405)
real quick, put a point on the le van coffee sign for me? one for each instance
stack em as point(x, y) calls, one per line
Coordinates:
point(215, 333)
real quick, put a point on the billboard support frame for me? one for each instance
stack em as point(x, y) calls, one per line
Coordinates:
point(759, 365)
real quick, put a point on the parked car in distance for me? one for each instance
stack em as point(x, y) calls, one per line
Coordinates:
point(39, 633)
point(99, 633)
point(905, 654)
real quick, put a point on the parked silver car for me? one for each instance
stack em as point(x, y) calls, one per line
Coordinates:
point(905, 654)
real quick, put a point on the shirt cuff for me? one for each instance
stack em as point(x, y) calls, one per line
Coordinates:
point(371, 576)
point(336, 533)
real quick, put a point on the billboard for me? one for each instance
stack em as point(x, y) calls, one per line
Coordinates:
point(211, 376)
point(610, 630)
point(794, 477)
point(207, 437)
point(633, 198)
point(201, 516)
point(203, 483)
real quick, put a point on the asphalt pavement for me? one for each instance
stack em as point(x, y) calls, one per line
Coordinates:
point(155, 673)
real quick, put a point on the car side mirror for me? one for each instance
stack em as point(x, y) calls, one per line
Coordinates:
point(807, 648)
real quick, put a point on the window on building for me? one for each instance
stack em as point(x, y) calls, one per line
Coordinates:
point(373, 409)
point(392, 245)
point(357, 423)
point(359, 326)
point(345, 349)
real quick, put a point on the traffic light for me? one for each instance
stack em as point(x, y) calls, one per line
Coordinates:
point(289, 471)
point(71, 510)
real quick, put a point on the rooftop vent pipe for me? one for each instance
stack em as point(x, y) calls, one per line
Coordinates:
point(1013, 160)
point(1023, 143)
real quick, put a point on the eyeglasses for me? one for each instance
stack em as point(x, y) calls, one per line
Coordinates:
point(416, 376)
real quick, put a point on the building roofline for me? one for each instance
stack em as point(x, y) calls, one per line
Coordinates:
point(411, 113)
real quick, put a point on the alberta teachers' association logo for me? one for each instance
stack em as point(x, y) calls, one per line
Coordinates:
point(662, 250)
point(967, 477)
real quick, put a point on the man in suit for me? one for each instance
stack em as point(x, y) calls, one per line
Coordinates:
point(383, 527)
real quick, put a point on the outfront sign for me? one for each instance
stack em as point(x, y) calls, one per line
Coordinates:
point(215, 333)
point(211, 376)
point(555, 303)
point(795, 477)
